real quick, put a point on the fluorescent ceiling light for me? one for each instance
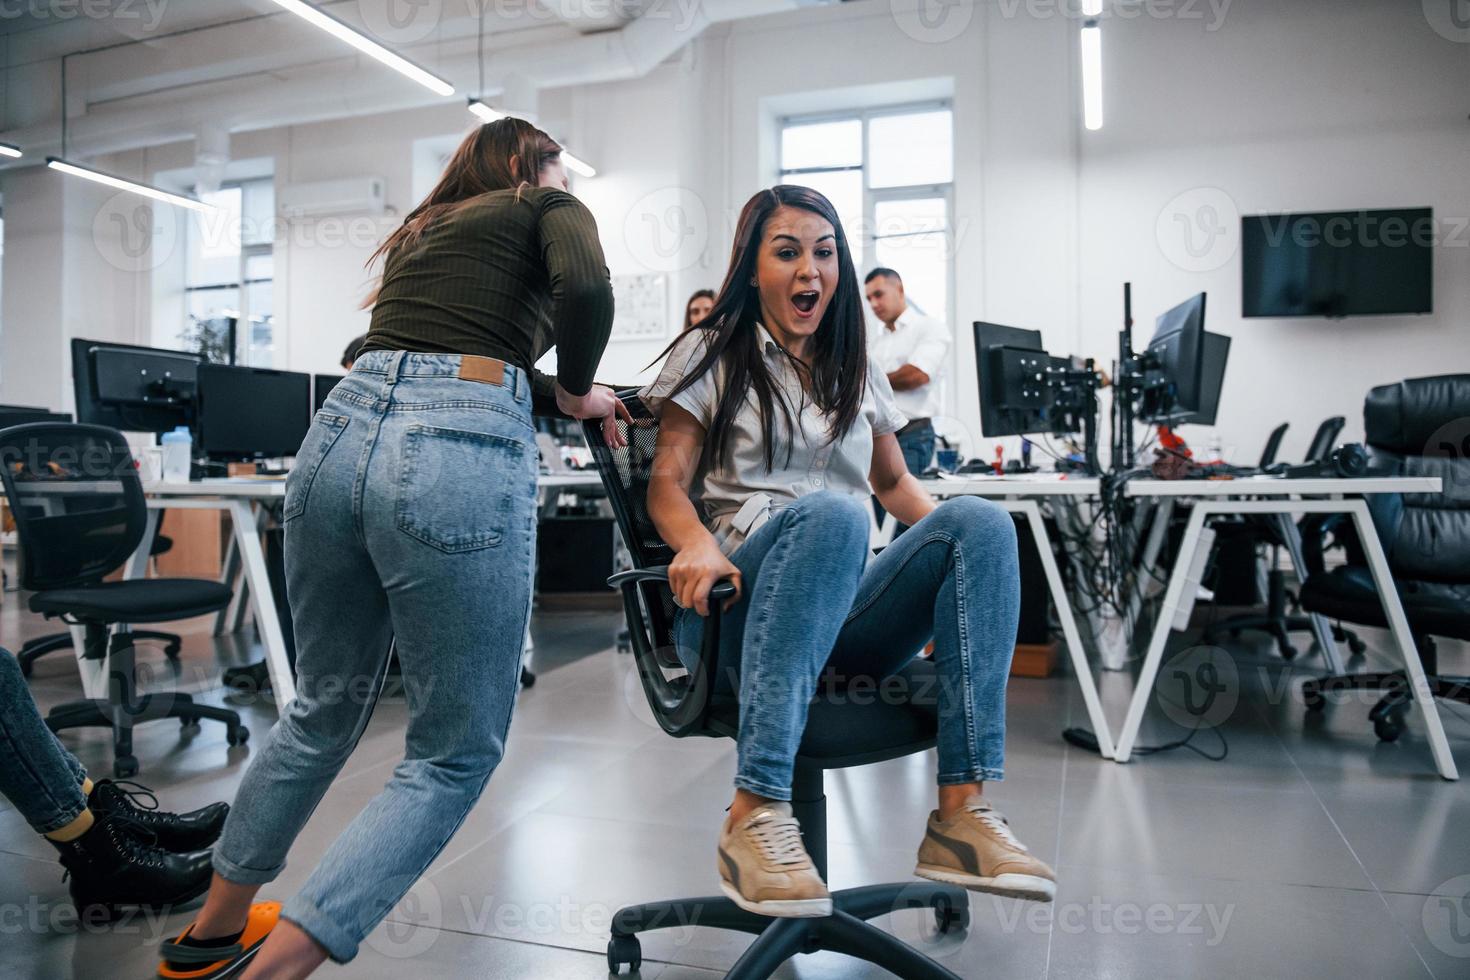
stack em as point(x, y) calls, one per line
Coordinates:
point(577, 165)
point(489, 114)
point(366, 45)
point(128, 185)
point(6, 150)
point(485, 112)
point(1092, 93)
point(1092, 8)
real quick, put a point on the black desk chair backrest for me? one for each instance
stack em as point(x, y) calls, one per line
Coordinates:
point(1325, 440)
point(1273, 445)
point(1421, 427)
point(77, 500)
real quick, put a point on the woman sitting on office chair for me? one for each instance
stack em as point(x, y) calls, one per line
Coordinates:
point(775, 428)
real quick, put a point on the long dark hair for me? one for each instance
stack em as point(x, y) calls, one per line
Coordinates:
point(839, 355)
point(500, 155)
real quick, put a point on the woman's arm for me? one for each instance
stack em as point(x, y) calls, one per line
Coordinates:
point(698, 563)
point(897, 489)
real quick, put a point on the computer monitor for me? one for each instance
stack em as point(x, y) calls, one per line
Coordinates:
point(1217, 352)
point(25, 415)
point(1174, 364)
point(136, 389)
point(1022, 387)
point(252, 413)
point(321, 387)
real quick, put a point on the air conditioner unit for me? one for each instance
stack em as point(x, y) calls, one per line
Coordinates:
point(316, 199)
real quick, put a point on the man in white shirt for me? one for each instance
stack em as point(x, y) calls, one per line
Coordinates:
point(910, 348)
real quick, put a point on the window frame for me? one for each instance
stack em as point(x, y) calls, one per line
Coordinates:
point(243, 345)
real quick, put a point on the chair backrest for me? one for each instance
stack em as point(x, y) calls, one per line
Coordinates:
point(77, 500)
point(1325, 439)
point(1421, 427)
point(1273, 444)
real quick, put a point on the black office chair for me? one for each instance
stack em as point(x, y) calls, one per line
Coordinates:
point(1425, 536)
point(79, 514)
point(839, 734)
point(1276, 620)
point(33, 650)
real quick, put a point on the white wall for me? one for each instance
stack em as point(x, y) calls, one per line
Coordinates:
point(1289, 106)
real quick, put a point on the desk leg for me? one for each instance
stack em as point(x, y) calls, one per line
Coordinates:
point(1059, 596)
point(1158, 532)
point(137, 566)
point(1162, 626)
point(262, 601)
point(1394, 609)
point(228, 618)
point(1287, 528)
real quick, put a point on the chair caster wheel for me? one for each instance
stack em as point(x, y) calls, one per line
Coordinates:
point(25, 668)
point(1312, 697)
point(621, 951)
point(171, 651)
point(1287, 651)
point(1357, 646)
point(951, 918)
point(1388, 728)
point(124, 766)
point(528, 679)
point(238, 735)
point(189, 725)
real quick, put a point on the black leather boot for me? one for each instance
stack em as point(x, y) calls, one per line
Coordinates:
point(115, 864)
point(178, 832)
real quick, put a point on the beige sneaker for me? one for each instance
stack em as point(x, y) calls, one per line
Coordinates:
point(764, 867)
point(976, 849)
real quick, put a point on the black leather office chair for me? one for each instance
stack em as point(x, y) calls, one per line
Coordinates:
point(1276, 620)
point(839, 734)
point(32, 650)
point(1414, 428)
point(79, 514)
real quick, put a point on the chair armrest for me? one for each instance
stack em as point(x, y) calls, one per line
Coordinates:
point(682, 707)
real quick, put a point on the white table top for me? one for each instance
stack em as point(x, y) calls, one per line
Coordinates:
point(1275, 486)
point(258, 488)
point(1014, 485)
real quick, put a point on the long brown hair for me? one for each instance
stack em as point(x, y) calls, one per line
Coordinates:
point(500, 155)
point(839, 351)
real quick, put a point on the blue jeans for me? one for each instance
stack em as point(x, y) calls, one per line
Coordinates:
point(918, 448)
point(37, 774)
point(410, 515)
point(812, 600)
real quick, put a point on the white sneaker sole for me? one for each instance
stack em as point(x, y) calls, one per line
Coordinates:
point(1028, 887)
point(805, 908)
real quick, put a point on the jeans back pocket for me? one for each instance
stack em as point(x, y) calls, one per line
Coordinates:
point(457, 489)
point(320, 438)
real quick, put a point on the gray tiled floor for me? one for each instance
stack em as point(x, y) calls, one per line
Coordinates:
point(1311, 851)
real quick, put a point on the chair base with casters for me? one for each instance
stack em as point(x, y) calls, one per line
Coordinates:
point(35, 649)
point(847, 930)
point(1433, 609)
point(98, 609)
point(1278, 623)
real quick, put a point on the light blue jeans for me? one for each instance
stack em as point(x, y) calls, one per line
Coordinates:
point(410, 515)
point(815, 608)
point(37, 774)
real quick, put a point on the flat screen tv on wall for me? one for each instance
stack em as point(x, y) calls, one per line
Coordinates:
point(1338, 263)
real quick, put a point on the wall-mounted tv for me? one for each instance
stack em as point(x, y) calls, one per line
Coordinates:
point(1338, 263)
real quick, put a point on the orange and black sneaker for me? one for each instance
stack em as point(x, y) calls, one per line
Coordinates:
point(226, 956)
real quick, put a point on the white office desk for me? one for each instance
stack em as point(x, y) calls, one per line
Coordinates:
point(1021, 494)
point(1276, 496)
point(241, 498)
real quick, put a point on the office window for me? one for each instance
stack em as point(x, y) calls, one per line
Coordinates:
point(228, 276)
point(889, 173)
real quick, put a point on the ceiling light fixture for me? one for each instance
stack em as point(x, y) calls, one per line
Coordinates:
point(1092, 84)
point(320, 18)
point(122, 184)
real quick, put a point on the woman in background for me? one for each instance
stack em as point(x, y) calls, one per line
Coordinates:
point(698, 307)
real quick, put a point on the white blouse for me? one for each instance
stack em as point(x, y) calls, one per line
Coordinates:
point(736, 500)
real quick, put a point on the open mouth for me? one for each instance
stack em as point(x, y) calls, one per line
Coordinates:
point(805, 301)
